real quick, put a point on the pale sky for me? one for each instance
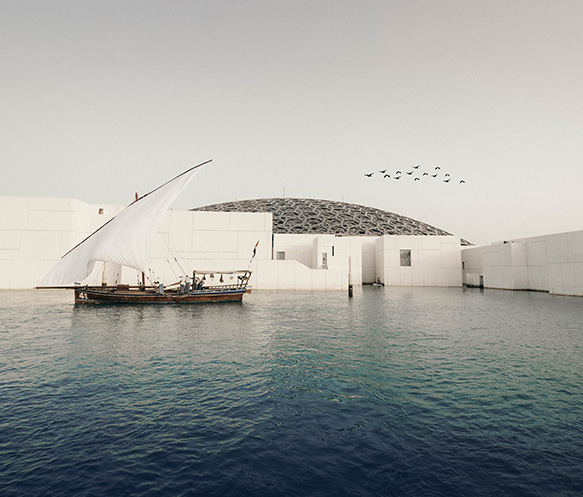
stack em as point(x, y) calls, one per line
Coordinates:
point(102, 99)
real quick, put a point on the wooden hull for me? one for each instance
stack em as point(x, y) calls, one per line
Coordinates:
point(124, 295)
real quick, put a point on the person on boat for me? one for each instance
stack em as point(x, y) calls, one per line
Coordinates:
point(183, 281)
point(379, 281)
point(161, 288)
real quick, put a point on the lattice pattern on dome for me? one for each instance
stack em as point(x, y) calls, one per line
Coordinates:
point(326, 217)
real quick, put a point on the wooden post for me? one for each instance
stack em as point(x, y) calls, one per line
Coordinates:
point(350, 276)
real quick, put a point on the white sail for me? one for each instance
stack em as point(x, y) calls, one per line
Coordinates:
point(125, 239)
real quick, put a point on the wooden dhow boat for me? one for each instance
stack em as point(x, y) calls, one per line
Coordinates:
point(173, 294)
point(125, 240)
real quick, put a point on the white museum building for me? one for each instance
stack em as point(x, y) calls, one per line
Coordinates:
point(304, 244)
point(548, 263)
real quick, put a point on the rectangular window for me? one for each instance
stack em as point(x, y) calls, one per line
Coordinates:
point(405, 257)
point(280, 256)
point(100, 212)
point(324, 260)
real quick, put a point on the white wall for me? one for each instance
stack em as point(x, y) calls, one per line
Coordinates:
point(296, 248)
point(552, 263)
point(213, 241)
point(435, 260)
point(343, 253)
point(36, 232)
point(369, 266)
point(505, 266)
point(292, 275)
point(565, 263)
point(307, 249)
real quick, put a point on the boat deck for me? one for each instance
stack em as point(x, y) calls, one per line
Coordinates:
point(124, 294)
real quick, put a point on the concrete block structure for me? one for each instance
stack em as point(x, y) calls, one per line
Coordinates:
point(548, 263)
point(303, 244)
point(342, 238)
point(410, 260)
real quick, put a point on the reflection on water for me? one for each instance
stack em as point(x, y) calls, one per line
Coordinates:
point(397, 391)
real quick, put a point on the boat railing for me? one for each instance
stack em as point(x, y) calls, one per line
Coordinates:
point(219, 288)
point(174, 288)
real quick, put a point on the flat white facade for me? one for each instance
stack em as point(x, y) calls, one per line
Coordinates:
point(549, 263)
point(36, 232)
point(434, 260)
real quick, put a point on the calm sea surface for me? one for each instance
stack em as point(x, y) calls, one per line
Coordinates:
point(404, 392)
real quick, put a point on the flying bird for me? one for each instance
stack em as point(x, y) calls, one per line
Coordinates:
point(417, 166)
point(434, 175)
point(462, 181)
point(398, 172)
point(416, 179)
point(397, 177)
point(425, 174)
point(387, 176)
point(437, 167)
point(446, 180)
point(409, 172)
point(383, 171)
point(446, 175)
point(368, 175)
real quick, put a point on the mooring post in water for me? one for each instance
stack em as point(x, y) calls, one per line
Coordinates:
point(350, 276)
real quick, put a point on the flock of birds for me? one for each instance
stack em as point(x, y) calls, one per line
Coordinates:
point(416, 174)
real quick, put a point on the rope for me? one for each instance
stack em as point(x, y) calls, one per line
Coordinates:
point(173, 252)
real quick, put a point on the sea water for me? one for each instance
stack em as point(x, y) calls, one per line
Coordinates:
point(396, 391)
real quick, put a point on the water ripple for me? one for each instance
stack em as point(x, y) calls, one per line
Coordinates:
point(394, 392)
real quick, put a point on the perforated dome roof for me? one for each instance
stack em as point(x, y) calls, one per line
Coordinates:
point(304, 215)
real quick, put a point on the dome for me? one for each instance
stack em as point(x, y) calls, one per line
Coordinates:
point(327, 217)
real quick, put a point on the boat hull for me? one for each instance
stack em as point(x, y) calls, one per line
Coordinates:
point(119, 295)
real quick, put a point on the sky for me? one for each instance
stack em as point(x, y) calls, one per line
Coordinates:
point(99, 100)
